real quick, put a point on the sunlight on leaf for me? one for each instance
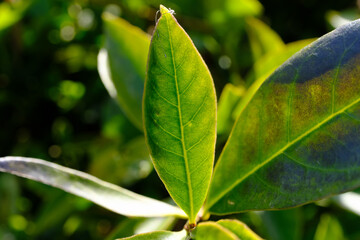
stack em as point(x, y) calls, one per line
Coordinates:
point(349, 201)
point(122, 65)
point(159, 235)
point(180, 114)
point(213, 231)
point(105, 194)
point(329, 228)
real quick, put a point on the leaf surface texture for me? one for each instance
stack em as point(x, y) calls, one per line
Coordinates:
point(180, 114)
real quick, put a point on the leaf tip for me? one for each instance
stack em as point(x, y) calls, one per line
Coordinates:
point(164, 10)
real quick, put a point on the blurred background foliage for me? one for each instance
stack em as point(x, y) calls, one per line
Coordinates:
point(54, 106)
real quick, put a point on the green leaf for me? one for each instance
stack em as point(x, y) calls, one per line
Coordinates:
point(159, 235)
point(122, 65)
point(336, 19)
point(132, 226)
point(229, 99)
point(213, 231)
point(180, 114)
point(266, 65)
point(243, 8)
point(283, 224)
point(240, 229)
point(298, 135)
point(262, 38)
point(122, 164)
point(329, 228)
point(105, 194)
point(227, 10)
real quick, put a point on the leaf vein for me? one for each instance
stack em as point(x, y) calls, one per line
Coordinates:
point(199, 164)
point(273, 156)
point(196, 112)
point(312, 166)
point(172, 174)
point(275, 187)
point(187, 170)
point(188, 85)
point(164, 98)
point(164, 148)
point(198, 142)
point(163, 129)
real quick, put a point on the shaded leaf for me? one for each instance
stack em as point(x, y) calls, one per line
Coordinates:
point(240, 229)
point(229, 99)
point(283, 225)
point(180, 114)
point(262, 38)
point(105, 194)
point(160, 235)
point(121, 164)
point(9, 192)
point(122, 65)
point(297, 137)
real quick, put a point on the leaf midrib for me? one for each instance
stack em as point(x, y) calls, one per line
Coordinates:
point(181, 126)
point(283, 149)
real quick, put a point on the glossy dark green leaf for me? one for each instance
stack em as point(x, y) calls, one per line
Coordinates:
point(241, 230)
point(298, 135)
point(105, 194)
point(122, 65)
point(180, 114)
point(159, 235)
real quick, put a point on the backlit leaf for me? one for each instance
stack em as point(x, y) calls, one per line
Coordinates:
point(240, 229)
point(122, 65)
point(329, 228)
point(180, 114)
point(298, 135)
point(262, 38)
point(159, 235)
point(213, 231)
point(105, 194)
